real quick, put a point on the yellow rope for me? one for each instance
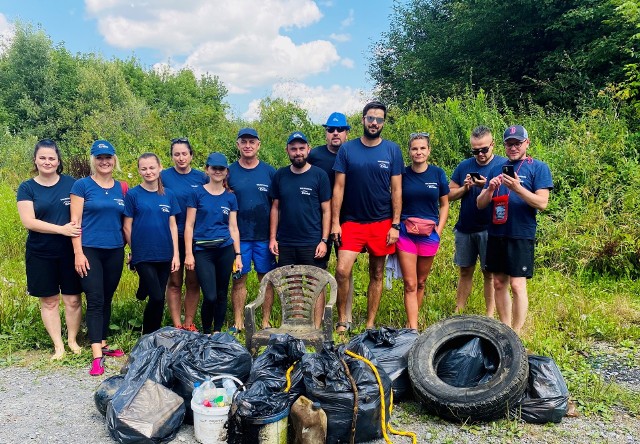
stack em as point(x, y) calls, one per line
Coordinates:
point(288, 375)
point(383, 421)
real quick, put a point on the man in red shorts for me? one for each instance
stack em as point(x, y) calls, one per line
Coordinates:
point(368, 194)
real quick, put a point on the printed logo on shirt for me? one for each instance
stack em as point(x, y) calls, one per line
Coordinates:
point(194, 186)
point(66, 201)
point(263, 187)
point(225, 210)
point(305, 191)
point(120, 202)
point(165, 208)
point(384, 164)
point(431, 185)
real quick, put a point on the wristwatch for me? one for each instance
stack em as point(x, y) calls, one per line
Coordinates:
point(396, 226)
point(325, 240)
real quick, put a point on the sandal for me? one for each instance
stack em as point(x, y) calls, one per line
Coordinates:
point(345, 325)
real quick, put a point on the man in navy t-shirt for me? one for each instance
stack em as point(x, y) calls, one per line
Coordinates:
point(250, 180)
point(368, 191)
point(514, 193)
point(300, 212)
point(467, 181)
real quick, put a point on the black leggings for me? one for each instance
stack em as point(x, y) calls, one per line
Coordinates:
point(213, 267)
point(101, 281)
point(153, 278)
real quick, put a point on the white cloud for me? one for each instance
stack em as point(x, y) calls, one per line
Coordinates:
point(347, 62)
point(319, 101)
point(349, 20)
point(239, 41)
point(7, 30)
point(340, 37)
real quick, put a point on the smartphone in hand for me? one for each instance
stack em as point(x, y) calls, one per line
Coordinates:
point(508, 170)
point(475, 176)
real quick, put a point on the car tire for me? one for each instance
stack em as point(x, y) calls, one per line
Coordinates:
point(484, 402)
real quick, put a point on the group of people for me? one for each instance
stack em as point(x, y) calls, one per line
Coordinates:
point(198, 228)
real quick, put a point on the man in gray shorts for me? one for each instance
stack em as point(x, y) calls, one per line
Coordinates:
point(467, 182)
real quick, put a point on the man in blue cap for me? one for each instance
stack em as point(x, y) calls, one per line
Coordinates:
point(324, 156)
point(515, 191)
point(301, 199)
point(250, 180)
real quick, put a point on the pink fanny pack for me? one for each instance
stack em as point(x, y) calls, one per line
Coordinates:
point(419, 227)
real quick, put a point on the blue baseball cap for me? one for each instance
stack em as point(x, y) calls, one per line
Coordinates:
point(297, 135)
point(337, 120)
point(248, 132)
point(102, 147)
point(217, 160)
point(515, 132)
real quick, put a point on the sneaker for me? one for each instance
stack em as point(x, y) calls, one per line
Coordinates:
point(97, 366)
point(190, 327)
point(115, 353)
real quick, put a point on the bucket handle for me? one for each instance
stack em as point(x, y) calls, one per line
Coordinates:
point(233, 378)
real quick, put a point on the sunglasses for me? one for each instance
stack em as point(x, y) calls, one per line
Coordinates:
point(371, 119)
point(516, 145)
point(416, 135)
point(179, 140)
point(340, 129)
point(477, 152)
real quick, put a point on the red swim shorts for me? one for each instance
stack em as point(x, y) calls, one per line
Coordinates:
point(372, 235)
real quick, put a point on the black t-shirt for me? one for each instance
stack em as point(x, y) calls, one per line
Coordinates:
point(50, 204)
point(324, 159)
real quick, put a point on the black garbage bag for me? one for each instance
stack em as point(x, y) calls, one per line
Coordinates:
point(326, 381)
point(546, 398)
point(206, 356)
point(467, 364)
point(391, 348)
point(282, 351)
point(154, 364)
point(144, 410)
point(173, 339)
point(105, 391)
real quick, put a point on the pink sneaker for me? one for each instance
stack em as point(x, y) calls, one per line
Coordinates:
point(97, 366)
point(114, 353)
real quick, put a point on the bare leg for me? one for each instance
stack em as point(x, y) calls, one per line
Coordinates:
point(191, 297)
point(424, 268)
point(502, 298)
point(73, 317)
point(349, 308)
point(238, 299)
point(465, 283)
point(374, 292)
point(344, 268)
point(489, 300)
point(267, 304)
point(520, 302)
point(409, 266)
point(319, 310)
point(51, 320)
point(174, 296)
point(96, 349)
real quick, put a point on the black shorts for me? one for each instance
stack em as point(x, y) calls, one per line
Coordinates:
point(51, 276)
point(513, 257)
point(300, 256)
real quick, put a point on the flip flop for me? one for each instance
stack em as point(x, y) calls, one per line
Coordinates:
point(345, 325)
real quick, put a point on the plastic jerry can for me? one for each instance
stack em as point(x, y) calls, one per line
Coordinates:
point(309, 422)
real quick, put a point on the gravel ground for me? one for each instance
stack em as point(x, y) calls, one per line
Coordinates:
point(56, 406)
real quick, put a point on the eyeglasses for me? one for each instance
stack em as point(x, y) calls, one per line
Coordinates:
point(516, 145)
point(416, 135)
point(340, 129)
point(479, 151)
point(371, 119)
point(179, 140)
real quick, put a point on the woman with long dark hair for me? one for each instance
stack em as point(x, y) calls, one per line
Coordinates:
point(151, 231)
point(43, 206)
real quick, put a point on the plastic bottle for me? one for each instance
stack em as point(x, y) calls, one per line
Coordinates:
point(309, 422)
point(197, 393)
point(208, 390)
point(230, 389)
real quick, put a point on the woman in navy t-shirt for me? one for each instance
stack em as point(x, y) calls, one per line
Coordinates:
point(150, 229)
point(425, 204)
point(43, 205)
point(97, 205)
point(212, 240)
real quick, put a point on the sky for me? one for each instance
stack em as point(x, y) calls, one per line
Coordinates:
point(314, 53)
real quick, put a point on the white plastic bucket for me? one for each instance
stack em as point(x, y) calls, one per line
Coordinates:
point(208, 423)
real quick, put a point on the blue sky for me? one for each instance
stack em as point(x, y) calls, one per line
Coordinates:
point(312, 52)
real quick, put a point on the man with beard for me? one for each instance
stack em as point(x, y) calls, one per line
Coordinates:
point(515, 192)
point(300, 212)
point(368, 191)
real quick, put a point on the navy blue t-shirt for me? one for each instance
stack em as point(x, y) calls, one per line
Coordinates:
point(212, 215)
point(368, 171)
point(102, 213)
point(182, 185)
point(471, 219)
point(251, 187)
point(324, 159)
point(299, 200)
point(421, 193)
point(50, 204)
point(521, 218)
point(150, 232)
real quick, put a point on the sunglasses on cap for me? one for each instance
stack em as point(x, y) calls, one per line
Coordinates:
point(479, 151)
point(340, 129)
point(416, 135)
point(179, 140)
